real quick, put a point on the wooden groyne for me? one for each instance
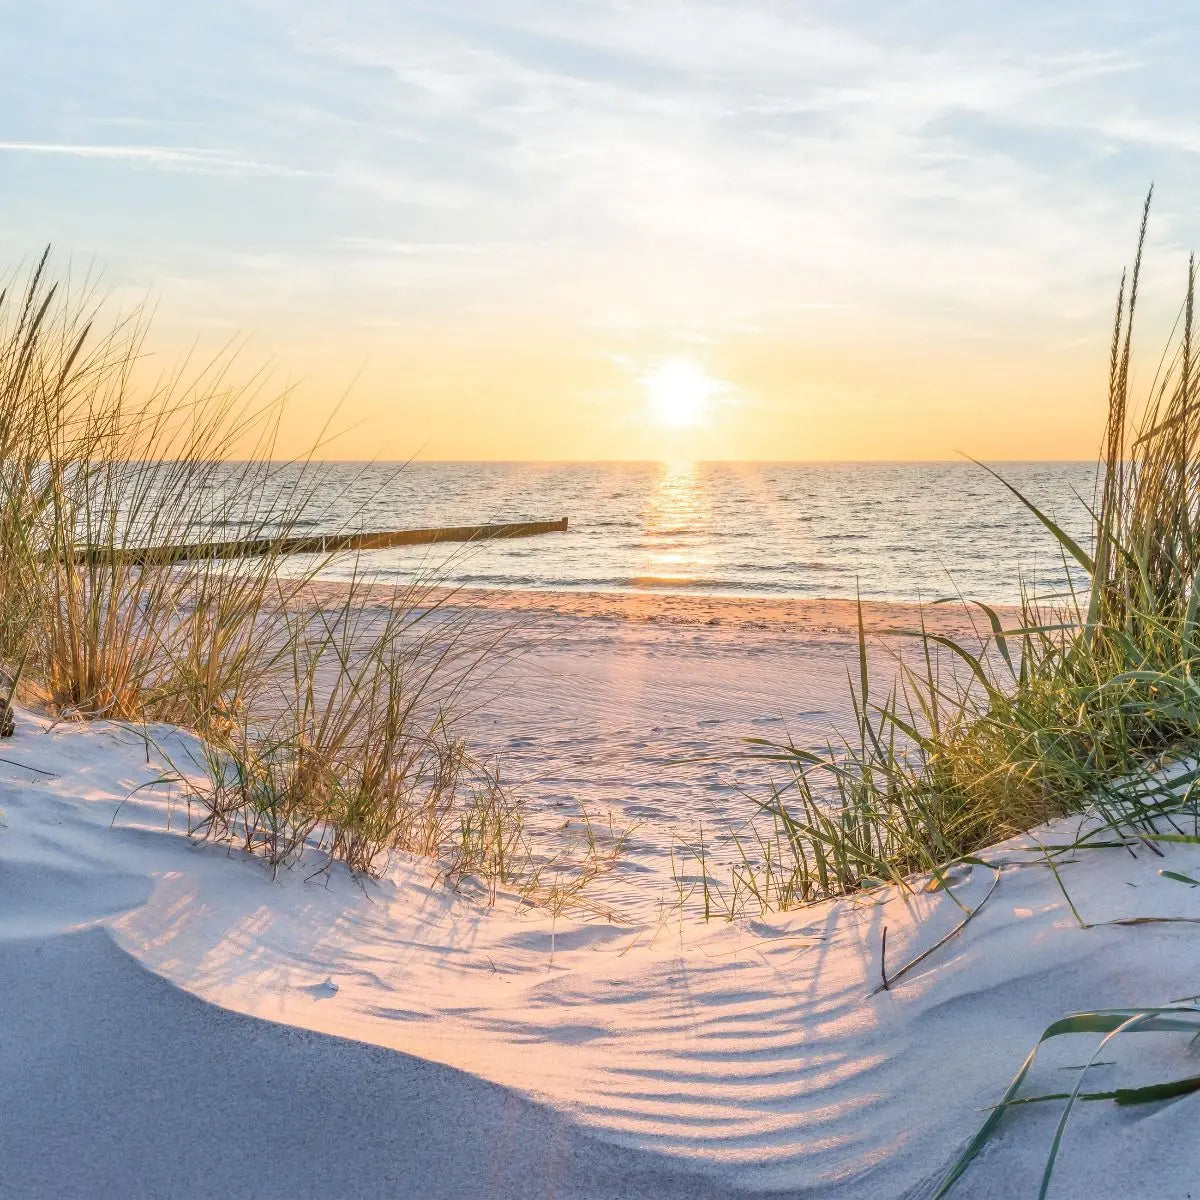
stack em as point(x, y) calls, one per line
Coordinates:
point(319, 543)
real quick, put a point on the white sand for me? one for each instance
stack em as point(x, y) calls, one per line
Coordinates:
point(174, 1022)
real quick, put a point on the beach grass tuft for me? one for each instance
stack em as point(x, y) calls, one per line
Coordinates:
point(328, 715)
point(1073, 707)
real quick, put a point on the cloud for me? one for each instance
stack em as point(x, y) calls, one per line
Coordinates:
point(721, 160)
point(169, 158)
point(695, 164)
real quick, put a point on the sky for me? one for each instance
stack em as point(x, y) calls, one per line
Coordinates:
point(589, 229)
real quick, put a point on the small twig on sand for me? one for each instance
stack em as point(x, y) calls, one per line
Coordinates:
point(12, 762)
point(908, 966)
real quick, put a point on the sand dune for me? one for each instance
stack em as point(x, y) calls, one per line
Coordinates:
point(173, 1021)
point(116, 1083)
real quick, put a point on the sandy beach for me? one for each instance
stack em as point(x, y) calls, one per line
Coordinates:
point(834, 618)
point(217, 1032)
point(637, 708)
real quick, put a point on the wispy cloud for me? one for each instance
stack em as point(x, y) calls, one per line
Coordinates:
point(170, 158)
point(695, 165)
point(722, 159)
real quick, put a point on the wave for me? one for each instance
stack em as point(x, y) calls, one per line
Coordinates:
point(629, 583)
point(782, 568)
point(258, 523)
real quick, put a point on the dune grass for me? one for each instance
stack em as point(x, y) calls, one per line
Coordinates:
point(982, 740)
point(1112, 1024)
point(328, 717)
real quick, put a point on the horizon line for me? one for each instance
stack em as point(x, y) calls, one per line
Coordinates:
point(658, 462)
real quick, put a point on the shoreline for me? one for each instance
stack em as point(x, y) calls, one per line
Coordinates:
point(821, 617)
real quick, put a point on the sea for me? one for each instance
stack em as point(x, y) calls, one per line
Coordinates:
point(889, 531)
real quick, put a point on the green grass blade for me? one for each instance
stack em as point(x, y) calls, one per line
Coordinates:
point(1064, 539)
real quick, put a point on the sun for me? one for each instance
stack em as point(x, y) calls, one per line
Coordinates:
point(679, 393)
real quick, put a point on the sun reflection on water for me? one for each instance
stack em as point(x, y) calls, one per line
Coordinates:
point(675, 535)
